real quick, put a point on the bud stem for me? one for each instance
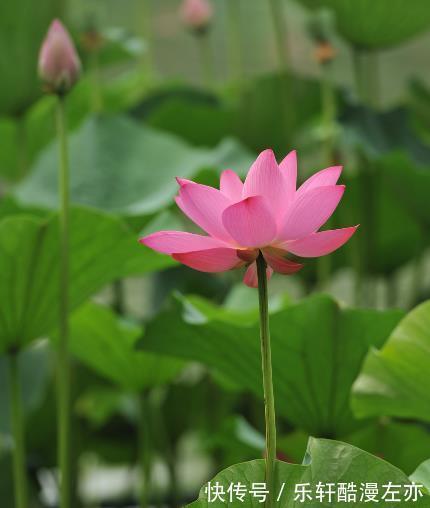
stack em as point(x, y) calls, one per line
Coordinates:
point(269, 399)
point(278, 17)
point(206, 59)
point(146, 11)
point(17, 425)
point(144, 448)
point(63, 362)
point(329, 114)
point(97, 93)
point(236, 54)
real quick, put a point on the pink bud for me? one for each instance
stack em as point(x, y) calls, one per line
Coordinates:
point(59, 64)
point(196, 14)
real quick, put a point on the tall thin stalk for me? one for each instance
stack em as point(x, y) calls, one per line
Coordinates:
point(269, 399)
point(206, 57)
point(360, 72)
point(280, 31)
point(157, 397)
point(144, 448)
point(63, 364)
point(22, 143)
point(236, 54)
point(417, 272)
point(365, 65)
point(96, 89)
point(17, 425)
point(373, 77)
point(287, 107)
point(148, 57)
point(329, 112)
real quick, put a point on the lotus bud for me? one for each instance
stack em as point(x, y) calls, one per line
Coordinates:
point(325, 52)
point(59, 64)
point(197, 15)
point(321, 29)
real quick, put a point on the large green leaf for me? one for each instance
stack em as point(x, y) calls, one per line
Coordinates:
point(386, 438)
point(422, 474)
point(326, 462)
point(119, 166)
point(23, 24)
point(106, 344)
point(396, 379)
point(383, 437)
point(317, 349)
point(102, 249)
point(371, 24)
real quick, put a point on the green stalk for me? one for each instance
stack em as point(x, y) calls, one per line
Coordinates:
point(236, 54)
point(360, 72)
point(144, 449)
point(63, 364)
point(368, 179)
point(373, 73)
point(269, 399)
point(278, 18)
point(366, 70)
point(157, 420)
point(148, 57)
point(329, 112)
point(359, 251)
point(17, 425)
point(287, 102)
point(118, 297)
point(206, 57)
point(22, 143)
point(417, 276)
point(328, 101)
point(96, 89)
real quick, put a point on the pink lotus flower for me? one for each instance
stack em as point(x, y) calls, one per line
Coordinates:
point(59, 64)
point(265, 213)
point(196, 14)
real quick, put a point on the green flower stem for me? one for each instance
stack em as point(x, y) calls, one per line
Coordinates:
point(417, 273)
point(366, 71)
point(374, 82)
point(144, 448)
point(358, 255)
point(157, 398)
point(329, 113)
point(22, 143)
point(365, 64)
point(148, 57)
point(287, 101)
point(118, 297)
point(269, 399)
point(360, 75)
point(63, 364)
point(236, 54)
point(278, 17)
point(206, 56)
point(96, 89)
point(17, 425)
